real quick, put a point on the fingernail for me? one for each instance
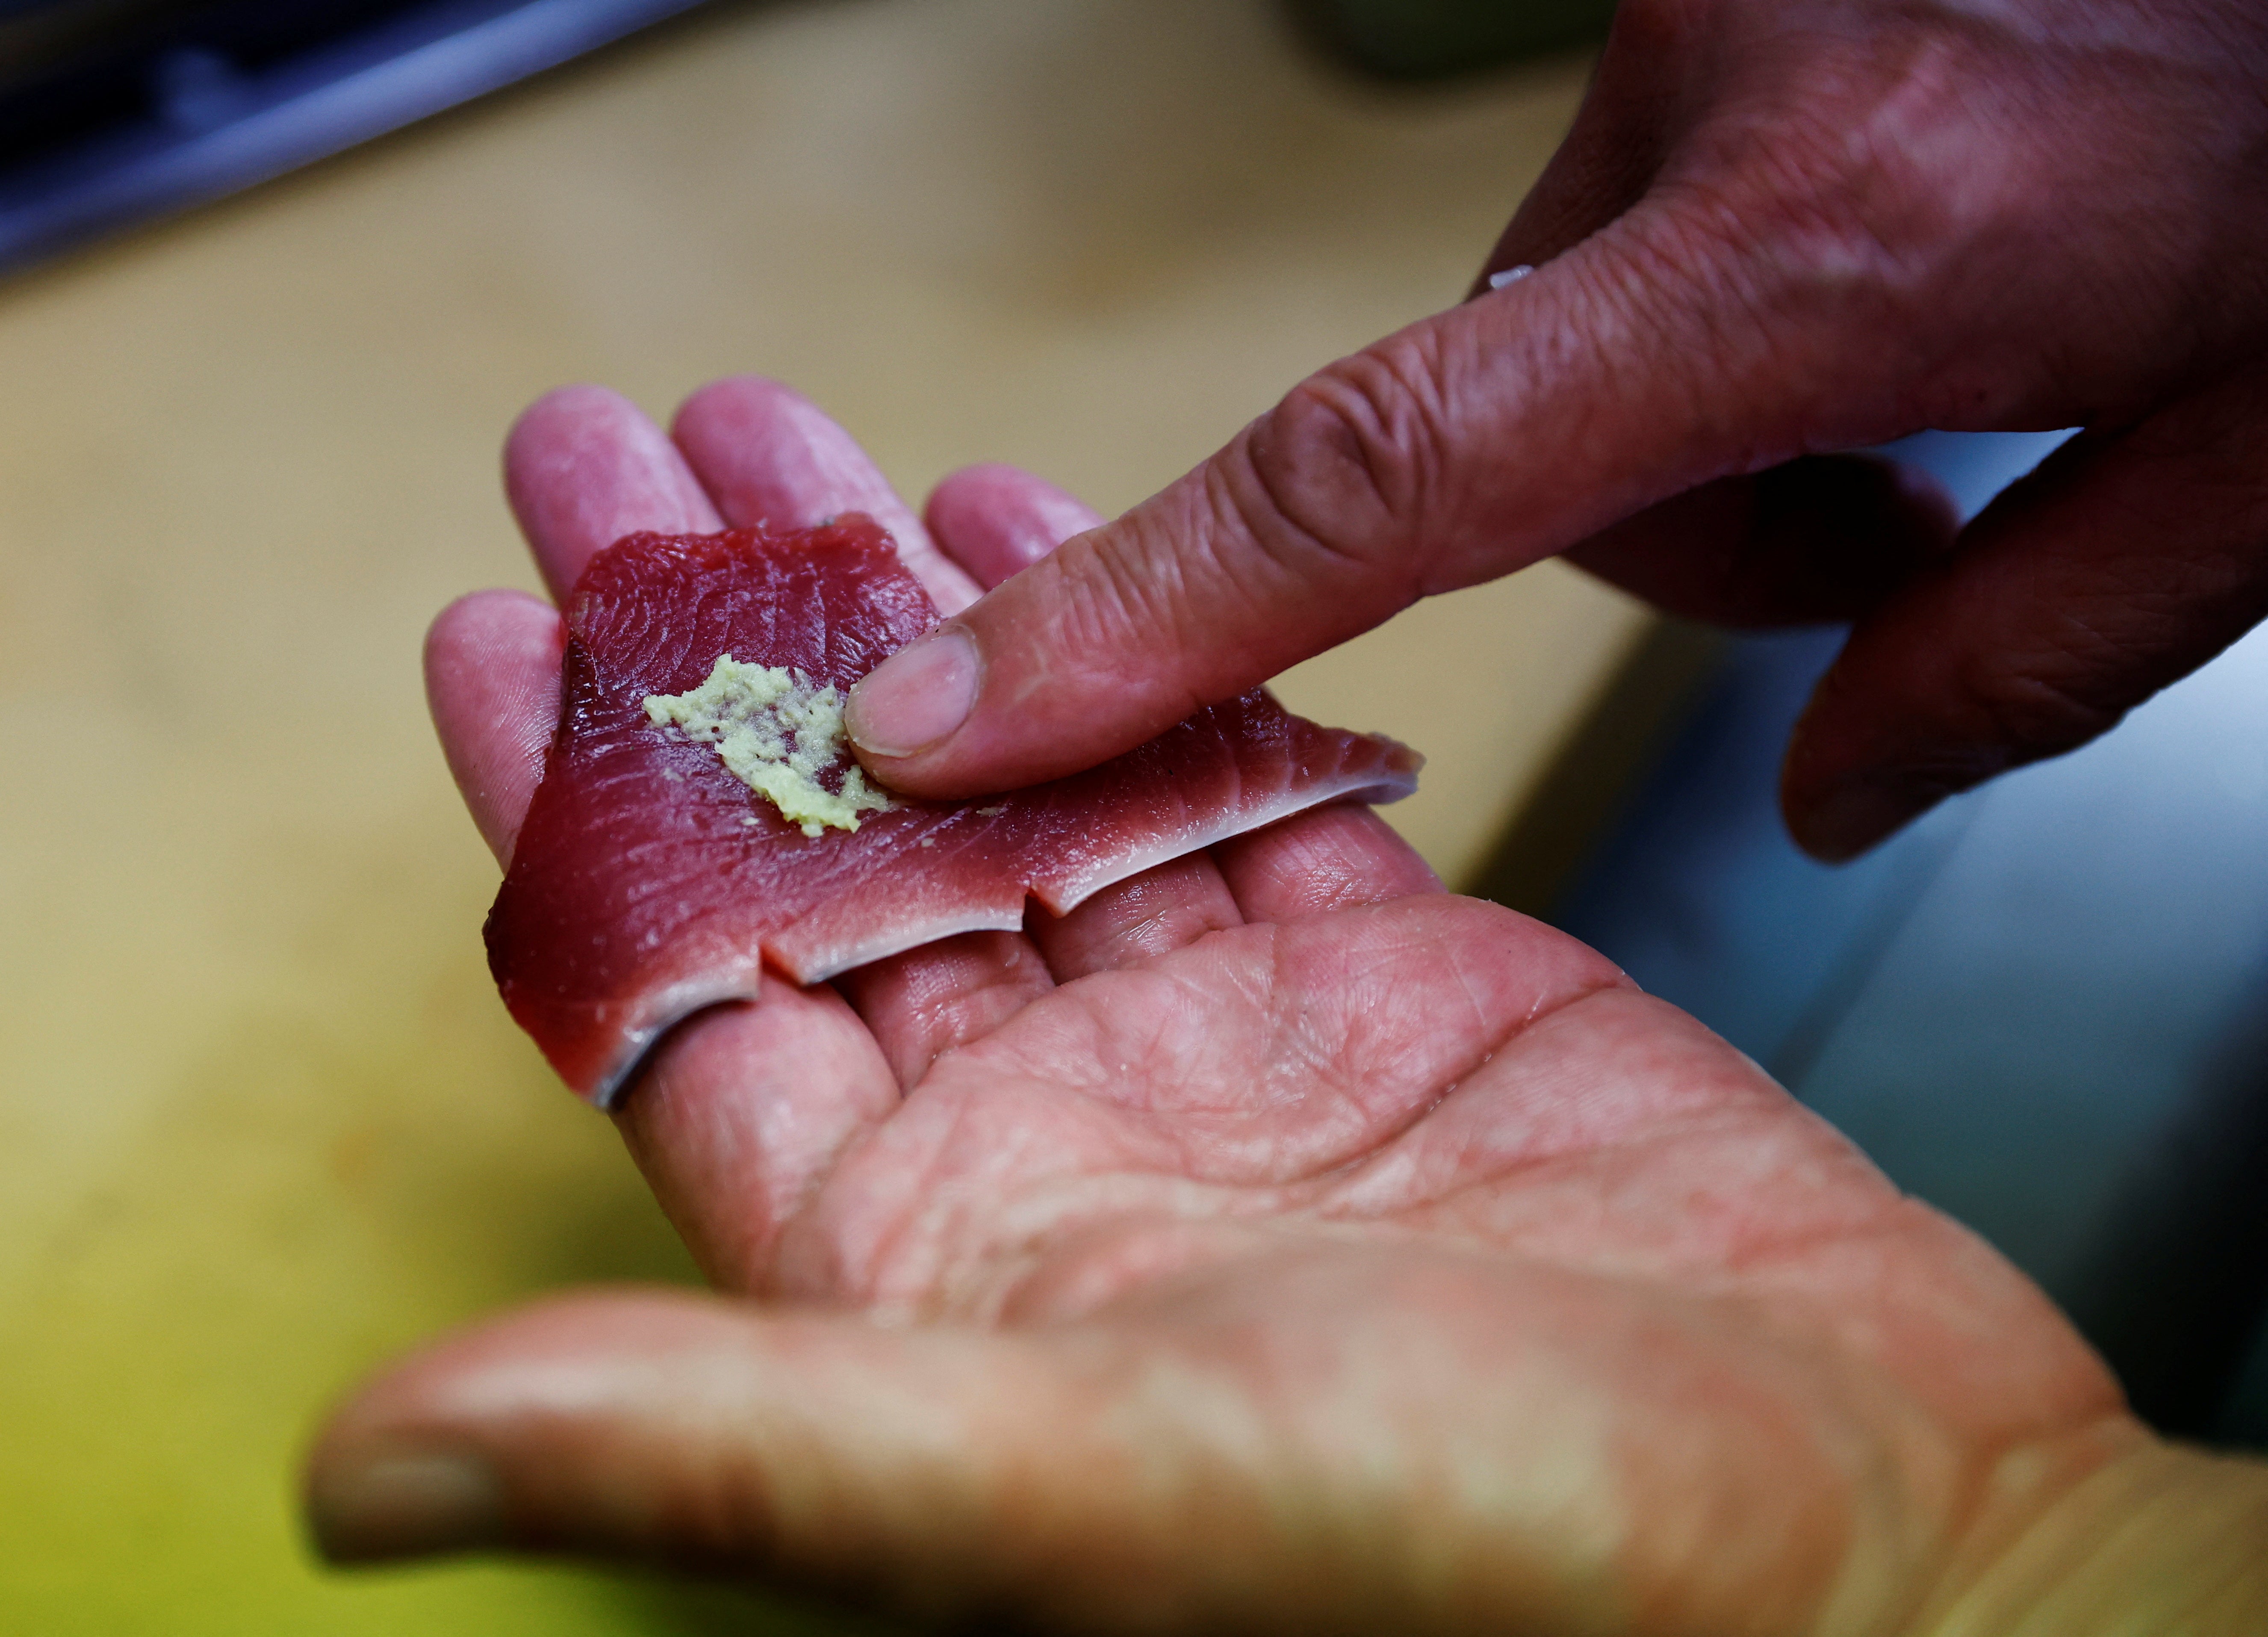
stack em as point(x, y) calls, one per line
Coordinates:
point(915, 697)
point(404, 1505)
point(1853, 815)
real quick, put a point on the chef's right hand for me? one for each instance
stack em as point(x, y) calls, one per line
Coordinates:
point(1778, 227)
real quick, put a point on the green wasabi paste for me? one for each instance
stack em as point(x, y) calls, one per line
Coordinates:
point(776, 732)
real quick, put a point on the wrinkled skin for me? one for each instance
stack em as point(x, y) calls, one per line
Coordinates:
point(1778, 228)
point(1275, 1243)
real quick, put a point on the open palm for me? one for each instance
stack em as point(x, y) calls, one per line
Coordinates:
point(1276, 1240)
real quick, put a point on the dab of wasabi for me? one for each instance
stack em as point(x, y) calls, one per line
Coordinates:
point(776, 732)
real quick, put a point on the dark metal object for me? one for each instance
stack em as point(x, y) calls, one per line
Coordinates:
point(1418, 39)
point(114, 111)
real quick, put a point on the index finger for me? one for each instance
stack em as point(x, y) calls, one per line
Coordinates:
point(772, 458)
point(582, 467)
point(1632, 368)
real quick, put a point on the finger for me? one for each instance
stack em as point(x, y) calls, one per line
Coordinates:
point(740, 1115)
point(998, 521)
point(945, 1474)
point(677, 1429)
point(582, 467)
point(1460, 449)
point(770, 458)
point(1150, 914)
point(1820, 540)
point(1066, 1478)
point(1331, 858)
point(923, 1002)
point(492, 685)
point(2124, 563)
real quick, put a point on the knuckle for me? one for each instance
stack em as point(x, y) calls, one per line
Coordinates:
point(1128, 595)
point(2066, 688)
point(1342, 473)
point(2138, 625)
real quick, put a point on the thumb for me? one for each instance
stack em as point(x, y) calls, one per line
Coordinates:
point(933, 1472)
point(663, 1425)
point(1629, 369)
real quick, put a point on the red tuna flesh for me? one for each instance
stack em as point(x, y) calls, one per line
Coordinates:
point(648, 882)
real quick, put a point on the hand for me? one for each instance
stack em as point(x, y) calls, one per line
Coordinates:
point(1777, 227)
point(1276, 1240)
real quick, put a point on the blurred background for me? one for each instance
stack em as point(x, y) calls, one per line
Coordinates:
point(276, 276)
point(265, 1122)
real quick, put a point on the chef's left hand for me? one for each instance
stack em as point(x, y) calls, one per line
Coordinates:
point(1276, 1241)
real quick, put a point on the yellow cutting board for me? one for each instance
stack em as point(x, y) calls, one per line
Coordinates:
point(263, 1119)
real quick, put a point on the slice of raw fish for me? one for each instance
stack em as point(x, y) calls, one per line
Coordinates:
point(648, 882)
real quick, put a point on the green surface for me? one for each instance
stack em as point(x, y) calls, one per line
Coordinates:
point(283, 1222)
